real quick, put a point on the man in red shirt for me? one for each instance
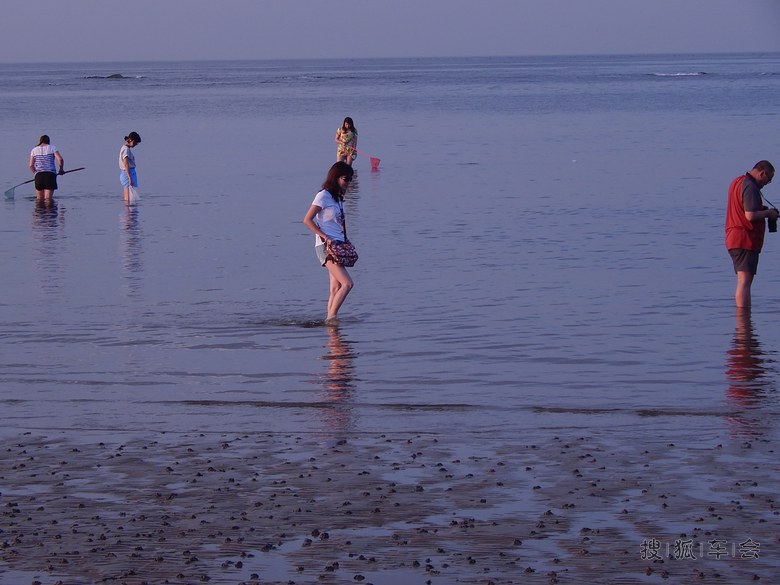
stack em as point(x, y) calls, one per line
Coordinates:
point(745, 225)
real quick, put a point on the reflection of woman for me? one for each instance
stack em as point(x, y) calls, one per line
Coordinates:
point(339, 379)
point(46, 215)
point(326, 219)
point(44, 160)
point(127, 175)
point(338, 382)
point(47, 229)
point(346, 137)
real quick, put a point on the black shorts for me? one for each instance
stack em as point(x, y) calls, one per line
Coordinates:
point(744, 260)
point(45, 181)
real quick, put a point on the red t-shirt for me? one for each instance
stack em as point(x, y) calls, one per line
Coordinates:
point(744, 195)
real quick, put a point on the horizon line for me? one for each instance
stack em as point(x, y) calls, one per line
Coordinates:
point(496, 56)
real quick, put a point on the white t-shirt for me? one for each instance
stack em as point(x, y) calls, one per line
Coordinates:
point(329, 218)
point(43, 158)
point(126, 153)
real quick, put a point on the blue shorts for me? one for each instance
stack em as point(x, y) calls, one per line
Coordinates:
point(125, 180)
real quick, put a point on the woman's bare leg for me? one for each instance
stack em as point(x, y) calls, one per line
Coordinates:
point(340, 285)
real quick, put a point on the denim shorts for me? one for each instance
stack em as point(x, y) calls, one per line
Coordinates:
point(125, 180)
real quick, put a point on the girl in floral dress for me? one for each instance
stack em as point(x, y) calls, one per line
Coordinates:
point(346, 138)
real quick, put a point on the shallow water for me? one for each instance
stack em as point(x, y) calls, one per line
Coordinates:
point(542, 299)
point(541, 248)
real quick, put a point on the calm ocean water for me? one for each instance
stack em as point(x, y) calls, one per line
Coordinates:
point(541, 248)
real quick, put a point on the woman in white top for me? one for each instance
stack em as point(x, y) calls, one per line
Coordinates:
point(44, 160)
point(326, 219)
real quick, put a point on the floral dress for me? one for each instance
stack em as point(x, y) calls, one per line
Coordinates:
point(347, 140)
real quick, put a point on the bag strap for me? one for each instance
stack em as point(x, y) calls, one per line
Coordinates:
point(343, 220)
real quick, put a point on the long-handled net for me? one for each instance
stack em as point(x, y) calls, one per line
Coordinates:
point(10, 193)
point(372, 159)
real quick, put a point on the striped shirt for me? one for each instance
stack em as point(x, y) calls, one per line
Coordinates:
point(43, 158)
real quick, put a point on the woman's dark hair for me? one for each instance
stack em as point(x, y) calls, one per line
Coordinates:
point(350, 124)
point(44, 140)
point(331, 184)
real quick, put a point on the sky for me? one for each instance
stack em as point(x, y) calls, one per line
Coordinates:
point(133, 30)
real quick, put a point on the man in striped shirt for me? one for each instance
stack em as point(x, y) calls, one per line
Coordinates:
point(44, 160)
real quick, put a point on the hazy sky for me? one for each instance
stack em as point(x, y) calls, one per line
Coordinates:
point(112, 30)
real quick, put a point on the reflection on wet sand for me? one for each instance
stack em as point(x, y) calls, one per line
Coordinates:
point(338, 382)
point(751, 377)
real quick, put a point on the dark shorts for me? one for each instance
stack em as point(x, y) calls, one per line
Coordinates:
point(45, 181)
point(744, 260)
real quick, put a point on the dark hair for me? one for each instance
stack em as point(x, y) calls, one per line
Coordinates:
point(764, 165)
point(331, 184)
point(44, 140)
point(134, 136)
point(348, 121)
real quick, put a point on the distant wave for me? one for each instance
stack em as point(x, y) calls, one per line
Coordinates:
point(692, 74)
point(114, 76)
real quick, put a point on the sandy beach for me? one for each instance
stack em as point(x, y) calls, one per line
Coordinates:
point(195, 508)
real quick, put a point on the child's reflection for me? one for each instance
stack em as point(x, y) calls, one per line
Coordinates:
point(130, 238)
point(749, 371)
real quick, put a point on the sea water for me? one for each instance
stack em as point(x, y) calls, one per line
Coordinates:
point(541, 248)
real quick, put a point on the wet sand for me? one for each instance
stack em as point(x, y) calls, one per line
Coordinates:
point(93, 507)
